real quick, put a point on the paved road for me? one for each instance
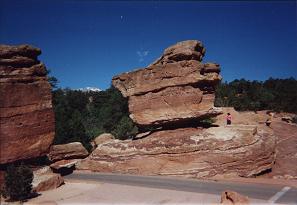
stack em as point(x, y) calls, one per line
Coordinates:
point(270, 193)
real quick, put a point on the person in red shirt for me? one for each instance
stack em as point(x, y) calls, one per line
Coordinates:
point(228, 118)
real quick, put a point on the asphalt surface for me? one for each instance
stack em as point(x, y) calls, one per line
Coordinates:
point(269, 193)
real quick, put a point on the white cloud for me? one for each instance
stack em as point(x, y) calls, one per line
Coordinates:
point(141, 55)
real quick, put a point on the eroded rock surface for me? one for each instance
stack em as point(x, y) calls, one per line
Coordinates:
point(177, 87)
point(286, 154)
point(26, 114)
point(103, 138)
point(192, 152)
point(73, 150)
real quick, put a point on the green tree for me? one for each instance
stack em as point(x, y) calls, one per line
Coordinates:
point(82, 116)
point(18, 182)
point(53, 81)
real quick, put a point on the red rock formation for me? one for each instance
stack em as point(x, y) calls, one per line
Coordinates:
point(286, 157)
point(26, 114)
point(192, 152)
point(177, 87)
point(175, 92)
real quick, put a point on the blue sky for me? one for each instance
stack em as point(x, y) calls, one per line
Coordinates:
point(85, 43)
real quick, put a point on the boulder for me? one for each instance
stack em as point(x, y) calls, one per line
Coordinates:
point(44, 179)
point(73, 150)
point(174, 89)
point(26, 114)
point(103, 138)
point(190, 152)
point(64, 164)
point(234, 198)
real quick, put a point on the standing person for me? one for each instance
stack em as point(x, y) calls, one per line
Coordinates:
point(228, 118)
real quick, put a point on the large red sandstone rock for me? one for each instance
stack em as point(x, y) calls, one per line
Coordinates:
point(172, 104)
point(26, 114)
point(192, 152)
point(176, 88)
point(157, 77)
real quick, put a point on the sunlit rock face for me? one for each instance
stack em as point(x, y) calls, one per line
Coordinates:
point(27, 117)
point(175, 88)
point(190, 152)
point(171, 97)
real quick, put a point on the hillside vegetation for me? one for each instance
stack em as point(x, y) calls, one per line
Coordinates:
point(82, 116)
point(279, 95)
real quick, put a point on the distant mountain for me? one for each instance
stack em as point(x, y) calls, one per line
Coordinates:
point(87, 89)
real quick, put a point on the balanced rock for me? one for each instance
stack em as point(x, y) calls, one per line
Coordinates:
point(26, 114)
point(171, 97)
point(176, 88)
point(73, 150)
point(192, 152)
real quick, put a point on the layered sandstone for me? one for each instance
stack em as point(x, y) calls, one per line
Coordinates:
point(176, 88)
point(286, 156)
point(73, 150)
point(26, 114)
point(191, 152)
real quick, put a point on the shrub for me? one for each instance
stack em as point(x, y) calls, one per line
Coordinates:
point(208, 121)
point(18, 182)
point(125, 129)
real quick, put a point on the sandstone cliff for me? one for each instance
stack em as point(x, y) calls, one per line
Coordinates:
point(171, 95)
point(26, 114)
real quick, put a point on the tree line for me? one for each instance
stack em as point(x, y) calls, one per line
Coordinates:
point(279, 95)
point(82, 116)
